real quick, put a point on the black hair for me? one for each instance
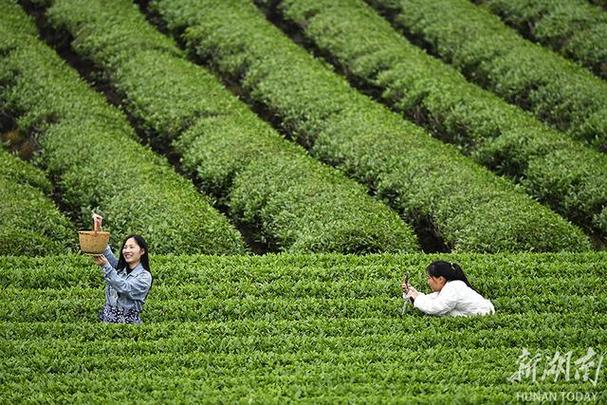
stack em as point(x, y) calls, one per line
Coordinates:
point(450, 271)
point(145, 259)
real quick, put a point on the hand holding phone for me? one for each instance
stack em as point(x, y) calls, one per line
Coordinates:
point(408, 291)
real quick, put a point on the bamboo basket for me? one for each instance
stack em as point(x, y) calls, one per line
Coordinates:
point(93, 242)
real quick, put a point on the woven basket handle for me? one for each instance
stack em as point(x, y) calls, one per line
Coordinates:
point(96, 227)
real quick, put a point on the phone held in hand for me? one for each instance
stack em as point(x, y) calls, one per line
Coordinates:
point(406, 289)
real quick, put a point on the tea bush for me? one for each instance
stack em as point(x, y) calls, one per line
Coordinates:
point(575, 29)
point(90, 149)
point(554, 169)
point(491, 54)
point(293, 201)
point(303, 328)
point(423, 179)
point(30, 223)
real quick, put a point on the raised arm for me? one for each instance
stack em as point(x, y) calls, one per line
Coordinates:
point(109, 255)
point(437, 303)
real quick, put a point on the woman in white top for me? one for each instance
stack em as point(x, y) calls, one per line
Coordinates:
point(451, 294)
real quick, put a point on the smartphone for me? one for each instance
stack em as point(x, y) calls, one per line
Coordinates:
point(406, 282)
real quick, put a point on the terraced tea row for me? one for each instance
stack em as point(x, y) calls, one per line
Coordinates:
point(308, 328)
point(423, 179)
point(30, 223)
point(556, 170)
point(574, 28)
point(491, 54)
point(294, 202)
point(90, 148)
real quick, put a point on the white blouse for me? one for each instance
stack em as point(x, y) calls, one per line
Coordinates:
point(454, 299)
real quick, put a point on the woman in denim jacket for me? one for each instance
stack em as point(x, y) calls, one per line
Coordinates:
point(128, 279)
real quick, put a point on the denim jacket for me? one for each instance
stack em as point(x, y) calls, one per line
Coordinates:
point(125, 290)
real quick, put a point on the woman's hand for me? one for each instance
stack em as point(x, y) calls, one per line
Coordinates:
point(412, 293)
point(100, 260)
point(97, 221)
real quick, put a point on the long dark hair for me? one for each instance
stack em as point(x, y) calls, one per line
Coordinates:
point(145, 259)
point(450, 271)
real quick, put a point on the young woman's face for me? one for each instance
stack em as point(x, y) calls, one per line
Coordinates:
point(436, 283)
point(132, 252)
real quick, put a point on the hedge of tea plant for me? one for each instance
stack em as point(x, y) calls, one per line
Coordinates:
point(91, 150)
point(467, 206)
point(295, 202)
point(556, 170)
point(493, 55)
point(602, 3)
point(15, 20)
point(30, 223)
point(302, 328)
point(574, 28)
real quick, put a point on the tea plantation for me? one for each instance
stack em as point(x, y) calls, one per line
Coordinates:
point(287, 161)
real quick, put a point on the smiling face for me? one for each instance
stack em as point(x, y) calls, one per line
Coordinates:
point(132, 252)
